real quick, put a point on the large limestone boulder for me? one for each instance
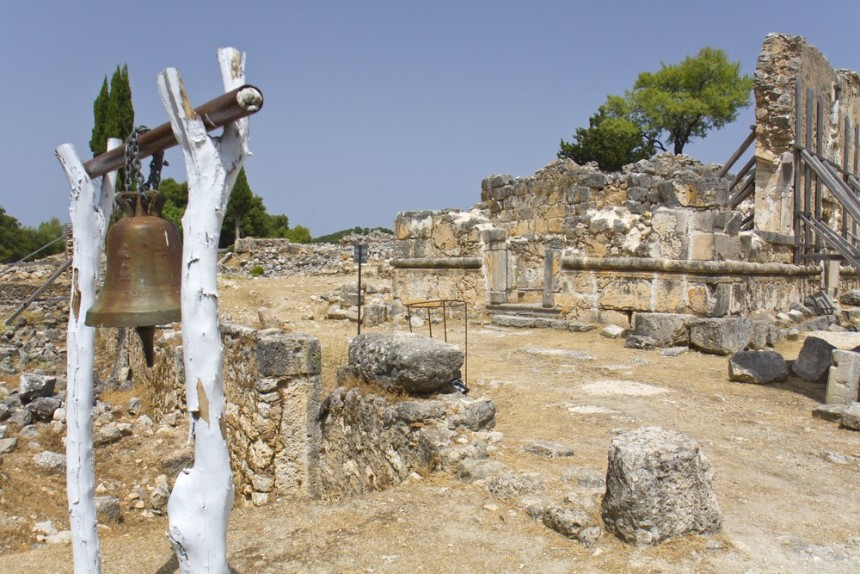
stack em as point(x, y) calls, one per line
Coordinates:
point(667, 329)
point(659, 485)
point(814, 360)
point(722, 336)
point(758, 367)
point(405, 361)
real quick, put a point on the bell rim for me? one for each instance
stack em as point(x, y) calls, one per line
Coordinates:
point(132, 319)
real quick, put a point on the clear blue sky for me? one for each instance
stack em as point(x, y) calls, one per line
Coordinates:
point(370, 107)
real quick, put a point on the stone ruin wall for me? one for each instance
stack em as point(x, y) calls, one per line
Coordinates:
point(784, 61)
point(669, 208)
point(610, 227)
point(286, 440)
point(272, 390)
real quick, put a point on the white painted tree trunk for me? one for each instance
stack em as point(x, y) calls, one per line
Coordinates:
point(199, 506)
point(89, 215)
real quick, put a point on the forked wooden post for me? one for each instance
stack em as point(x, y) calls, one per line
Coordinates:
point(89, 215)
point(199, 506)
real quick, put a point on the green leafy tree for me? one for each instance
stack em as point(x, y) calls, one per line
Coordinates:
point(298, 234)
point(686, 101)
point(280, 225)
point(17, 241)
point(665, 108)
point(611, 139)
point(175, 200)
point(11, 238)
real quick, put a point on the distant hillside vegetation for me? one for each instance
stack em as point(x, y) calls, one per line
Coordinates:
point(338, 235)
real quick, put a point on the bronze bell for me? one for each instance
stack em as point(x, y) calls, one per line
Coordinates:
point(144, 266)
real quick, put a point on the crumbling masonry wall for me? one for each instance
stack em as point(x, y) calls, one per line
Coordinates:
point(585, 242)
point(602, 233)
point(272, 390)
point(784, 62)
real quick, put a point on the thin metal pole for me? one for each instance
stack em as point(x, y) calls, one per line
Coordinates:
point(359, 289)
point(444, 321)
point(466, 343)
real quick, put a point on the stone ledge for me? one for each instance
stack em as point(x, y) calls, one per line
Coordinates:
point(437, 263)
point(688, 267)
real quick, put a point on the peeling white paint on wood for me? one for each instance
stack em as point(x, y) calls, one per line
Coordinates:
point(199, 506)
point(89, 215)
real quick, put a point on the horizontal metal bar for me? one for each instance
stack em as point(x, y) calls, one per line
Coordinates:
point(225, 109)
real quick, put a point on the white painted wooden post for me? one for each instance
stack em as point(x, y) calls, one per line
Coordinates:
point(89, 215)
point(199, 506)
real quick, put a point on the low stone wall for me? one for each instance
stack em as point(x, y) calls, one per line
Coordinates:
point(373, 440)
point(272, 390)
point(609, 290)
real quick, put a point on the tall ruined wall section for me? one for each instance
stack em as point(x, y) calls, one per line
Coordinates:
point(272, 389)
point(786, 61)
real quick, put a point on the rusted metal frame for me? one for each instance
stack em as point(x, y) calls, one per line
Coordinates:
point(798, 222)
point(747, 223)
point(217, 113)
point(738, 153)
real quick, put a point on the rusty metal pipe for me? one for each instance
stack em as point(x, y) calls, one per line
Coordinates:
point(227, 108)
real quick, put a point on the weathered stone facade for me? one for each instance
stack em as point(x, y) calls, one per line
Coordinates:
point(784, 64)
point(659, 236)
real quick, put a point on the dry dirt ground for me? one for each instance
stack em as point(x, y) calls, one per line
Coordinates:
point(787, 483)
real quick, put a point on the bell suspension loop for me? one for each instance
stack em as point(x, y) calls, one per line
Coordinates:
point(144, 258)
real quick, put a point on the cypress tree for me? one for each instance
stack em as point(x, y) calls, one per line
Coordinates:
point(98, 141)
point(119, 115)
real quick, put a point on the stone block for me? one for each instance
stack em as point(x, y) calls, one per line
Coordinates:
point(619, 318)
point(32, 385)
point(670, 232)
point(851, 418)
point(814, 360)
point(757, 367)
point(701, 246)
point(721, 336)
point(282, 354)
point(669, 295)
point(659, 485)
point(626, 294)
point(726, 247)
point(405, 361)
point(666, 329)
point(844, 378)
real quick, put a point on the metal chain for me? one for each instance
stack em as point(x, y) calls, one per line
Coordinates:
point(132, 161)
point(155, 169)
